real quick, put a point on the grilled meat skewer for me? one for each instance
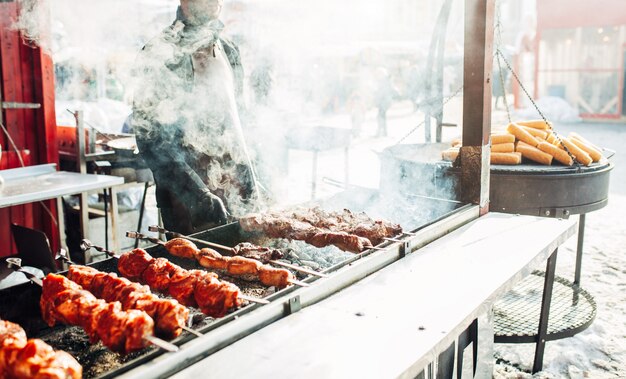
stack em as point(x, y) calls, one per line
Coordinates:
point(63, 301)
point(244, 249)
point(190, 287)
point(359, 224)
point(66, 302)
point(289, 228)
point(237, 265)
point(348, 231)
point(32, 358)
point(169, 316)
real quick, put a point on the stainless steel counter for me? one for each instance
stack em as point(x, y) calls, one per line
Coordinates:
point(396, 321)
point(44, 182)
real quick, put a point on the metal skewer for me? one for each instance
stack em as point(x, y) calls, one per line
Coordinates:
point(154, 228)
point(152, 239)
point(62, 255)
point(86, 244)
point(16, 265)
point(392, 239)
point(156, 341)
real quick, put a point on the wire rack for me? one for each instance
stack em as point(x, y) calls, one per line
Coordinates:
point(516, 314)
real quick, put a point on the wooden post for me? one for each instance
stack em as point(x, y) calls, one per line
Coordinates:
point(478, 61)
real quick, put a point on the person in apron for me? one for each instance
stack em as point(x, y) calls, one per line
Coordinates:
point(186, 120)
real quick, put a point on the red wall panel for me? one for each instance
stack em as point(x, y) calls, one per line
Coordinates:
point(26, 76)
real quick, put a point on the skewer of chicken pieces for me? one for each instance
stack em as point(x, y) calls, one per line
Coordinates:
point(196, 288)
point(193, 288)
point(236, 266)
point(244, 249)
point(32, 358)
point(535, 140)
point(65, 302)
point(170, 317)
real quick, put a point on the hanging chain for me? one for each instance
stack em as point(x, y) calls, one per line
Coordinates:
point(424, 121)
point(506, 102)
point(498, 52)
point(556, 135)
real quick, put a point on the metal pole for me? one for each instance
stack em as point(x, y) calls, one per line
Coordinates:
point(141, 210)
point(579, 248)
point(478, 61)
point(545, 312)
point(82, 168)
point(314, 175)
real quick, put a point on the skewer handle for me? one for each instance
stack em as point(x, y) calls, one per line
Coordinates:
point(139, 236)
point(299, 283)
point(162, 344)
point(299, 268)
point(253, 299)
point(62, 255)
point(16, 265)
point(192, 331)
point(85, 245)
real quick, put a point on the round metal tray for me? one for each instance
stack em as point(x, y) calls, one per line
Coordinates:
point(516, 314)
point(549, 191)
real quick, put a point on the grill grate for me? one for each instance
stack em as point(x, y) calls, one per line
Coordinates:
point(516, 314)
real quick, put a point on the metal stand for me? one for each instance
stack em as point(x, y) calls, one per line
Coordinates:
point(141, 210)
point(545, 312)
point(446, 360)
point(318, 139)
point(518, 319)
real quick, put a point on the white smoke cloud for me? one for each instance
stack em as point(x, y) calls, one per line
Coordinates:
point(316, 53)
point(34, 23)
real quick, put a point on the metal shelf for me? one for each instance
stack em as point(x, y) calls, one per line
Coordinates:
point(516, 314)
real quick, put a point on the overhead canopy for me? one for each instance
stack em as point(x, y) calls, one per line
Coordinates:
point(555, 14)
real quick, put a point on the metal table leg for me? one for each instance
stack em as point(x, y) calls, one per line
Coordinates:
point(545, 312)
point(347, 166)
point(314, 175)
point(61, 223)
point(114, 219)
point(469, 335)
point(579, 248)
point(84, 221)
point(141, 211)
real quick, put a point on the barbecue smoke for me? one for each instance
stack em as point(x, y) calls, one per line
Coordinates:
point(33, 21)
point(305, 65)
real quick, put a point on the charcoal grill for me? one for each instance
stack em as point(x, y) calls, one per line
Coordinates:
point(344, 269)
